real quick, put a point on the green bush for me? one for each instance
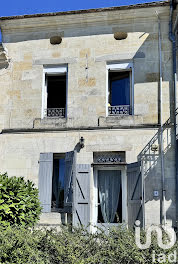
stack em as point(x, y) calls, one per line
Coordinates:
point(19, 203)
point(21, 245)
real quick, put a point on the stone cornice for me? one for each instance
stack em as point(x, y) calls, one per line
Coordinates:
point(49, 130)
point(60, 21)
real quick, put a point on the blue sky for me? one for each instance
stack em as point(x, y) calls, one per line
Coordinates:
point(20, 7)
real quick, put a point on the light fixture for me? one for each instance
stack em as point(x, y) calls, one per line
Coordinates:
point(155, 147)
point(82, 140)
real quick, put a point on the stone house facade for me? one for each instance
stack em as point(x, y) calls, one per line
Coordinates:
point(87, 113)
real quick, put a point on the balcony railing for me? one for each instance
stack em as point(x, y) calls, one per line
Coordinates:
point(54, 112)
point(119, 110)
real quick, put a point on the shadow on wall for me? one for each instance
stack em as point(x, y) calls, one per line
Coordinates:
point(146, 36)
point(152, 170)
point(82, 30)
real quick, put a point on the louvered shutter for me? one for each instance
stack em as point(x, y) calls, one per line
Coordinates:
point(45, 180)
point(81, 210)
point(70, 160)
point(134, 193)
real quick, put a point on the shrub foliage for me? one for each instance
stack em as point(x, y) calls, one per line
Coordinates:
point(19, 203)
point(21, 245)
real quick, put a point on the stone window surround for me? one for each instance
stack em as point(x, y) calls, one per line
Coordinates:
point(122, 168)
point(52, 70)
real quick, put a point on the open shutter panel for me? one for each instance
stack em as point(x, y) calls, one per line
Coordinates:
point(81, 212)
point(70, 160)
point(134, 193)
point(45, 180)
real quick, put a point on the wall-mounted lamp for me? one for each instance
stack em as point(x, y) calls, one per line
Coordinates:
point(82, 140)
point(155, 147)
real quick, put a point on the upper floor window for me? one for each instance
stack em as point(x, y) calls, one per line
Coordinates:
point(55, 92)
point(120, 89)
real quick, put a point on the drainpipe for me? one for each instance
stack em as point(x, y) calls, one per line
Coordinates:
point(162, 211)
point(175, 25)
point(172, 38)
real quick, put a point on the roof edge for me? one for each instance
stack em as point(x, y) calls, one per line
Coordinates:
point(86, 11)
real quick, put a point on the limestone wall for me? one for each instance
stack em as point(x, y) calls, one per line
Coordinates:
point(29, 49)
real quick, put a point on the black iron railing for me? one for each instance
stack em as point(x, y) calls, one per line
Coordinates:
point(119, 110)
point(54, 112)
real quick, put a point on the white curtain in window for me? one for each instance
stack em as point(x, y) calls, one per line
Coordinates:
point(109, 183)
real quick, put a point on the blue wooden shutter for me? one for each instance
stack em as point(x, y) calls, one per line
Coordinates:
point(70, 160)
point(45, 180)
point(81, 210)
point(134, 193)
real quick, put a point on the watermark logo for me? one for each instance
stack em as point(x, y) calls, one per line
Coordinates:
point(164, 258)
point(171, 235)
point(168, 230)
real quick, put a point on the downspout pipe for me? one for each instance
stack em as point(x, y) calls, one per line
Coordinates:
point(162, 207)
point(175, 25)
point(172, 38)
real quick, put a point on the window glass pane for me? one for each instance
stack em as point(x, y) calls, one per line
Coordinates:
point(56, 89)
point(109, 196)
point(61, 171)
point(58, 183)
point(119, 88)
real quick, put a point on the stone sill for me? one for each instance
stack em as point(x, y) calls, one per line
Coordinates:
point(103, 122)
point(51, 122)
point(121, 120)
